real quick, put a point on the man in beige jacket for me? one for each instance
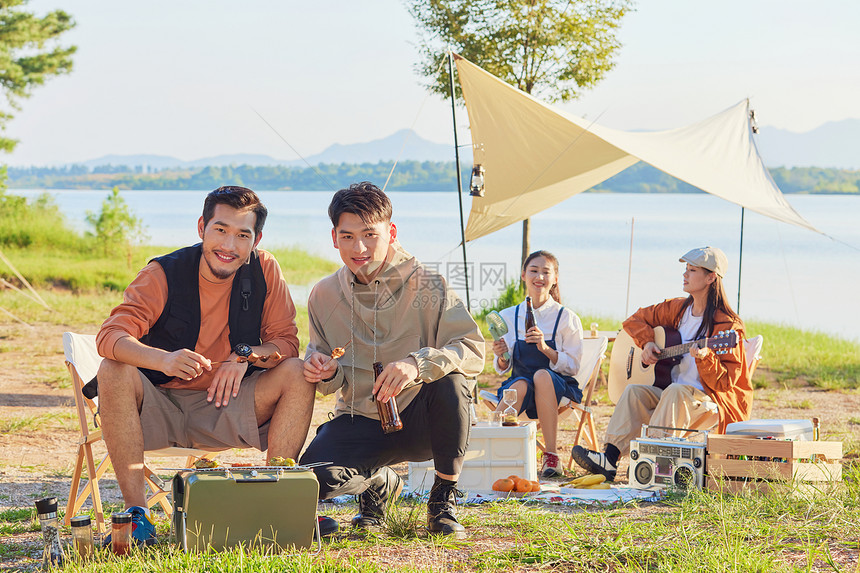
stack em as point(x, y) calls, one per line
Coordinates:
point(384, 306)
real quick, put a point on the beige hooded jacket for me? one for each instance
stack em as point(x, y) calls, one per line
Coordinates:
point(407, 310)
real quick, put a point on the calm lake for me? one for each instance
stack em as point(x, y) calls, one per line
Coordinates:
point(790, 275)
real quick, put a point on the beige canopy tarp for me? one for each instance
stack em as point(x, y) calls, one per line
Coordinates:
point(536, 156)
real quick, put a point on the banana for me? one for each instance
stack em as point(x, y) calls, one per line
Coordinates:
point(597, 486)
point(585, 481)
point(591, 479)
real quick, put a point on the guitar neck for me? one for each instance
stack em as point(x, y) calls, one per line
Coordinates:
point(678, 350)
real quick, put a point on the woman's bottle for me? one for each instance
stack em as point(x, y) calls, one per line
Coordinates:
point(530, 315)
point(82, 536)
point(389, 416)
point(52, 555)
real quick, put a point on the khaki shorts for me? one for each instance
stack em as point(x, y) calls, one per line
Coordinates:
point(172, 417)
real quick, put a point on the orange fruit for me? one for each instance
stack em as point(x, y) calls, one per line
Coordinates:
point(504, 484)
point(514, 477)
point(535, 486)
point(523, 485)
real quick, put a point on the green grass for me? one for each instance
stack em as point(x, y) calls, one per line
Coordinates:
point(301, 267)
point(822, 360)
point(18, 521)
point(782, 530)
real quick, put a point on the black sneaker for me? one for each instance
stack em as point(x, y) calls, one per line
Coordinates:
point(441, 509)
point(385, 487)
point(328, 526)
point(594, 462)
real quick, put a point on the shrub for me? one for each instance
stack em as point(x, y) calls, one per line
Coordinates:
point(34, 223)
point(117, 229)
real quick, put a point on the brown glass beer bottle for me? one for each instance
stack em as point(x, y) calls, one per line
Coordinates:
point(530, 315)
point(389, 416)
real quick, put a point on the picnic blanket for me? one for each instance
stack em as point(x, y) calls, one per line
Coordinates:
point(564, 496)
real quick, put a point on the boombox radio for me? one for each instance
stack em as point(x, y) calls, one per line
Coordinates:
point(666, 462)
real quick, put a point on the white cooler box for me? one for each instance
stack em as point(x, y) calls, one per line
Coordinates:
point(494, 452)
point(782, 429)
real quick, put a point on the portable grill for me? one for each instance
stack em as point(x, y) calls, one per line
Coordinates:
point(267, 507)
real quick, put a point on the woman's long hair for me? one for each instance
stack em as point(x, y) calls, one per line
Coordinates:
point(553, 292)
point(717, 300)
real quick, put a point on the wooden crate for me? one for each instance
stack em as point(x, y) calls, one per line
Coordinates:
point(745, 462)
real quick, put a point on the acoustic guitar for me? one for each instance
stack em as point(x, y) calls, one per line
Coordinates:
point(625, 362)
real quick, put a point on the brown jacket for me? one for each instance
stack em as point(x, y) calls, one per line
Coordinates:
point(725, 376)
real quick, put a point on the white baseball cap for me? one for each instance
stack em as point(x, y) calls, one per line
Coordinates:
point(710, 258)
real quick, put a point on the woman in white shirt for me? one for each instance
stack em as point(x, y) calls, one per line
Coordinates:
point(544, 360)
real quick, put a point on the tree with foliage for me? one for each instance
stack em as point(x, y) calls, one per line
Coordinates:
point(552, 49)
point(29, 54)
point(116, 228)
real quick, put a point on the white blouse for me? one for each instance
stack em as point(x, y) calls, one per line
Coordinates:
point(686, 372)
point(568, 337)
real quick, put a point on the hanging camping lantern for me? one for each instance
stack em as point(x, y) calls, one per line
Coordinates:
point(476, 183)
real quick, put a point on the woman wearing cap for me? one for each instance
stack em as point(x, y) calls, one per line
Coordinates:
point(706, 389)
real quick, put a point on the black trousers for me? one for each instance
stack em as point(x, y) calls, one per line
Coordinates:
point(435, 426)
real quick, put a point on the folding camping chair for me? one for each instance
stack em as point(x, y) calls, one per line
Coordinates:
point(752, 349)
point(83, 361)
point(593, 354)
point(752, 353)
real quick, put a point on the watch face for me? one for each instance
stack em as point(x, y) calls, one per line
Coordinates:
point(242, 350)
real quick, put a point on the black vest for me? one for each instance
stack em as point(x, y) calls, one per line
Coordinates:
point(179, 324)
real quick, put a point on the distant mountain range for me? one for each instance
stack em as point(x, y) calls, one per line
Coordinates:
point(388, 148)
point(834, 144)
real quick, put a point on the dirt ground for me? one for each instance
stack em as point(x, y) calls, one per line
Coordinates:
point(39, 431)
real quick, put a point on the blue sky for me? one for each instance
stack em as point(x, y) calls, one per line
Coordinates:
point(183, 77)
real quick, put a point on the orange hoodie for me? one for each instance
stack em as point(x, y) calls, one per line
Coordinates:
point(725, 376)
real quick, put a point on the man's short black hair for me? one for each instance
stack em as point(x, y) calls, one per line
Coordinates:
point(363, 199)
point(241, 199)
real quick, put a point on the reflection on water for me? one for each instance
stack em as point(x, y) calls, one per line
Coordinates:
point(790, 275)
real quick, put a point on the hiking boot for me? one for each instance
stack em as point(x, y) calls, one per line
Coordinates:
point(594, 462)
point(551, 466)
point(328, 526)
point(441, 509)
point(385, 486)
point(142, 528)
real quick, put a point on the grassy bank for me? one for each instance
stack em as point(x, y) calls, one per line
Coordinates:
point(86, 270)
point(820, 359)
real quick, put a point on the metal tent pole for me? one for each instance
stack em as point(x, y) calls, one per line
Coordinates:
point(459, 182)
point(740, 262)
point(629, 269)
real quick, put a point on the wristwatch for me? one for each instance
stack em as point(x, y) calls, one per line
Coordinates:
point(243, 350)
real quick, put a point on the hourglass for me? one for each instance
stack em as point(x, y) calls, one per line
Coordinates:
point(509, 416)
